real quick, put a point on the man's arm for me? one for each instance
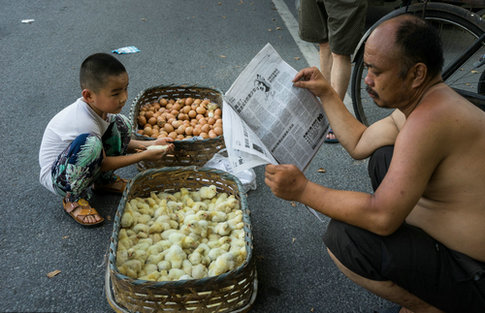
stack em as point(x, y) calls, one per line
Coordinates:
point(417, 152)
point(359, 141)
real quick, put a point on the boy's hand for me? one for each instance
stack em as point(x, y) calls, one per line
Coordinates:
point(156, 154)
point(286, 181)
point(163, 141)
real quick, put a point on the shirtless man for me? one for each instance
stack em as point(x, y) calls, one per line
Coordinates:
point(419, 239)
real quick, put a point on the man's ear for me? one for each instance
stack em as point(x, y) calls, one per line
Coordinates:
point(418, 74)
point(88, 95)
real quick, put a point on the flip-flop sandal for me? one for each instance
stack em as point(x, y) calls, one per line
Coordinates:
point(331, 140)
point(85, 210)
point(118, 186)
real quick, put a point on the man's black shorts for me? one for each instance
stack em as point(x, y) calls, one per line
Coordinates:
point(449, 280)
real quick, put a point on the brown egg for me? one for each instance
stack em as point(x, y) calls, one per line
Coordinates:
point(140, 131)
point(169, 106)
point(180, 137)
point(171, 101)
point(152, 120)
point(172, 135)
point(174, 112)
point(205, 128)
point(147, 131)
point(196, 131)
point(192, 113)
point(142, 120)
point(199, 116)
point(189, 101)
point(162, 134)
point(211, 121)
point(180, 130)
point(186, 109)
point(148, 114)
point(204, 135)
point(168, 127)
point(218, 111)
point(217, 130)
point(181, 101)
point(200, 110)
point(212, 134)
point(182, 116)
point(161, 121)
point(177, 106)
point(176, 124)
point(163, 101)
point(189, 130)
point(197, 101)
point(156, 106)
point(154, 133)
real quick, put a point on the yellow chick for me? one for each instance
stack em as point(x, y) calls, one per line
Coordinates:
point(214, 253)
point(199, 271)
point(222, 229)
point(148, 269)
point(121, 257)
point(156, 237)
point(127, 219)
point(188, 242)
point(187, 267)
point(208, 192)
point(163, 276)
point(217, 216)
point(154, 276)
point(131, 268)
point(185, 277)
point(199, 227)
point(164, 266)
point(155, 258)
point(175, 274)
point(195, 257)
point(175, 255)
point(223, 263)
point(141, 228)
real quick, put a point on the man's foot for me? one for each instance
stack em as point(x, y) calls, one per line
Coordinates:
point(82, 212)
point(331, 138)
point(118, 186)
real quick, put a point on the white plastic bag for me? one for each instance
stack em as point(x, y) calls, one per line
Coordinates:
point(220, 161)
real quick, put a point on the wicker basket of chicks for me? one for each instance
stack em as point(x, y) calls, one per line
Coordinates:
point(190, 115)
point(182, 242)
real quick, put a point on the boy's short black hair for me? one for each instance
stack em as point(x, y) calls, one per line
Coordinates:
point(96, 68)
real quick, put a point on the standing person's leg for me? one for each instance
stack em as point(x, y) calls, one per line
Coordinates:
point(345, 24)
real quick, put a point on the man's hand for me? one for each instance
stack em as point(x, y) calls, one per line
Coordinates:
point(312, 79)
point(286, 181)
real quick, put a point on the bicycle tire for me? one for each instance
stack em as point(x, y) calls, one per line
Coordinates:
point(450, 19)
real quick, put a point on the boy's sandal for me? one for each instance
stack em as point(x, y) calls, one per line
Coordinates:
point(83, 210)
point(118, 186)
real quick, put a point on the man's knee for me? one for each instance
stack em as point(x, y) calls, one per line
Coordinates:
point(357, 249)
point(379, 164)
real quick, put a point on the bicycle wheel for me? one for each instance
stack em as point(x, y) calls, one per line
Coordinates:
point(458, 29)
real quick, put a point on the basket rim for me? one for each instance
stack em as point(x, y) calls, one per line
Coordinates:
point(166, 86)
point(154, 284)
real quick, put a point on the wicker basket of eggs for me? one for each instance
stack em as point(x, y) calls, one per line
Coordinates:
point(191, 115)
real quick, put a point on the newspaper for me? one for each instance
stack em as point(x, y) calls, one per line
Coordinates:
point(268, 120)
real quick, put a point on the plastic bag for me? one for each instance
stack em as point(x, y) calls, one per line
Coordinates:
point(220, 161)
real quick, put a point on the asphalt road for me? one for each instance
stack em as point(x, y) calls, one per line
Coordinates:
point(182, 42)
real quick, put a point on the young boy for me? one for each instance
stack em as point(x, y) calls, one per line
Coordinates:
point(85, 142)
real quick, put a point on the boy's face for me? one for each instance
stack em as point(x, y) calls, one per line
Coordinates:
point(111, 98)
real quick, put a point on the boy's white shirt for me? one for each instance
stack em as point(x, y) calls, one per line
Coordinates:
point(74, 120)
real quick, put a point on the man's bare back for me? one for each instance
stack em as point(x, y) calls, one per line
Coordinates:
point(452, 209)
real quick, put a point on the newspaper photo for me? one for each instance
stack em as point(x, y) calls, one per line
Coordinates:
point(268, 120)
